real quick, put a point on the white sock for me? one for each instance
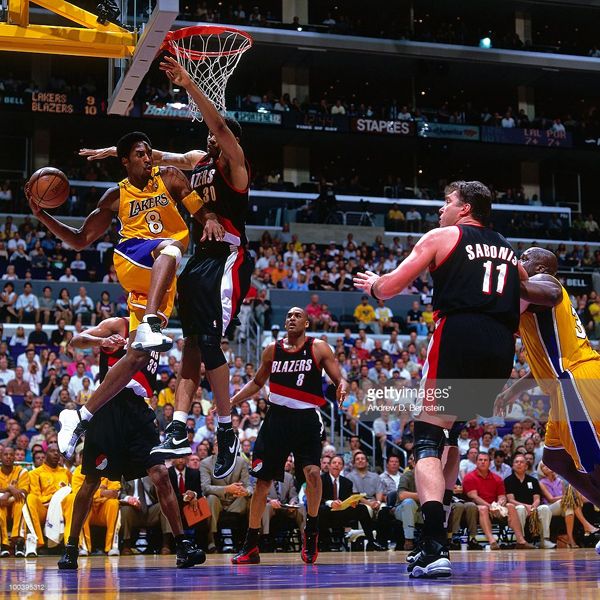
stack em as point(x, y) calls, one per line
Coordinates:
point(145, 319)
point(181, 416)
point(85, 414)
point(226, 419)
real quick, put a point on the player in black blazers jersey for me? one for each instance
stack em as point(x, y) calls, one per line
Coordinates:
point(118, 443)
point(216, 279)
point(476, 280)
point(292, 424)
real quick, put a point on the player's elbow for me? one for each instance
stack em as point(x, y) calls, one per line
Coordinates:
point(555, 296)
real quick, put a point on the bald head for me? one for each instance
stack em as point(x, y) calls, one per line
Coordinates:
point(539, 260)
point(296, 320)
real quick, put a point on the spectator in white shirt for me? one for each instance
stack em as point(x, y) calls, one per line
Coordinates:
point(393, 345)
point(10, 274)
point(338, 108)
point(177, 350)
point(507, 121)
point(463, 441)
point(68, 275)
point(78, 263)
point(499, 467)
point(271, 337)
point(404, 114)
point(6, 374)
point(28, 357)
point(27, 305)
point(18, 338)
point(13, 243)
point(76, 382)
point(104, 245)
point(367, 343)
point(413, 220)
point(227, 351)
point(468, 464)
point(33, 376)
point(558, 127)
point(83, 307)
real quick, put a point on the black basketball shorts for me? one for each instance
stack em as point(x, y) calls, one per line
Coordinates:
point(119, 439)
point(211, 289)
point(473, 354)
point(287, 431)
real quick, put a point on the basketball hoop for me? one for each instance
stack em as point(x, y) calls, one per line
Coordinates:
point(209, 54)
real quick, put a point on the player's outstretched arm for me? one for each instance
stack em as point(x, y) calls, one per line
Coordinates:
point(185, 161)
point(180, 189)
point(93, 227)
point(542, 290)
point(108, 334)
point(263, 373)
point(228, 144)
point(422, 256)
point(328, 362)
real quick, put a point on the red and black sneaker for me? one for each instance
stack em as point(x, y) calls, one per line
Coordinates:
point(247, 557)
point(310, 547)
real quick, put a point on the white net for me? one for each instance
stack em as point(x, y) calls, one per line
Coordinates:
point(209, 55)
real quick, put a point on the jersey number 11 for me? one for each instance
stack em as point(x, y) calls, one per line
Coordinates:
point(487, 277)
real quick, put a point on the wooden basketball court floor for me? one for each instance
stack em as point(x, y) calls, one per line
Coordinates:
point(512, 575)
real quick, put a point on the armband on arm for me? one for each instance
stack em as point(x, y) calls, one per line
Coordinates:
point(193, 202)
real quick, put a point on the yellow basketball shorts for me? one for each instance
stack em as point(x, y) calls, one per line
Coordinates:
point(574, 421)
point(133, 262)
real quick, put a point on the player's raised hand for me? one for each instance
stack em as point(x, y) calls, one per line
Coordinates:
point(98, 153)
point(365, 281)
point(175, 72)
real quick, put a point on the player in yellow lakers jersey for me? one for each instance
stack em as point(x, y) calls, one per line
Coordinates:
point(14, 486)
point(153, 237)
point(565, 366)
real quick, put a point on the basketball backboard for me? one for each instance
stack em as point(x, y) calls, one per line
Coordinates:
point(154, 32)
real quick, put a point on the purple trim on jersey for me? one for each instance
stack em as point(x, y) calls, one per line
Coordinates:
point(139, 251)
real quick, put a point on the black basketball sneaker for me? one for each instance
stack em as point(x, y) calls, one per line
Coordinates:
point(68, 560)
point(176, 441)
point(188, 554)
point(431, 561)
point(229, 445)
point(310, 547)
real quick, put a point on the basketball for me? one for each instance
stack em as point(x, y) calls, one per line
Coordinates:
point(49, 187)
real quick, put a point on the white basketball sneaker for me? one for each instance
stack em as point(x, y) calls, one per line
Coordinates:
point(150, 338)
point(72, 427)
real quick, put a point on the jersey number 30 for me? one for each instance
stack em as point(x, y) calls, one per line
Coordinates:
point(487, 277)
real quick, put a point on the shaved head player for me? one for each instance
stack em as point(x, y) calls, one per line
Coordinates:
point(293, 367)
point(567, 368)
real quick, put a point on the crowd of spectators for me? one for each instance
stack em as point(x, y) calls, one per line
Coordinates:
point(40, 375)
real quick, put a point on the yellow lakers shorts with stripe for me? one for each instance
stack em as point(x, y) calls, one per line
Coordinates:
point(133, 262)
point(574, 421)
